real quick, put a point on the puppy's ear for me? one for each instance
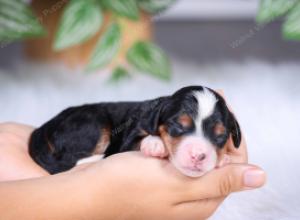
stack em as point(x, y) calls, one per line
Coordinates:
point(150, 122)
point(235, 130)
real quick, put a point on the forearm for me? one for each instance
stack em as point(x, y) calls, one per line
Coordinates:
point(66, 196)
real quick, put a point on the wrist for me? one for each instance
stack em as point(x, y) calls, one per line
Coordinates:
point(103, 196)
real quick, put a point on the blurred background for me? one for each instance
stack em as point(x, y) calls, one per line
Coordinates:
point(216, 43)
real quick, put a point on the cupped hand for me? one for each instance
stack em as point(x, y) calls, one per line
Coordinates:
point(137, 187)
point(132, 186)
point(15, 162)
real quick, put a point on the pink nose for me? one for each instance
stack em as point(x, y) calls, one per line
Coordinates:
point(197, 150)
point(198, 157)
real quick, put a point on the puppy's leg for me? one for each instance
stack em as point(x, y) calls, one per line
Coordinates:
point(153, 146)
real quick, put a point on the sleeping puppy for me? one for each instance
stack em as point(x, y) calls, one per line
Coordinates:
point(189, 127)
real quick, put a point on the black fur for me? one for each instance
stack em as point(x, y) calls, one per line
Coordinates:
point(73, 134)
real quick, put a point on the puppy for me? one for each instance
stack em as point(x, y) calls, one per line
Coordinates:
point(189, 127)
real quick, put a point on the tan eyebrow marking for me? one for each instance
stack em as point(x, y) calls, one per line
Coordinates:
point(185, 120)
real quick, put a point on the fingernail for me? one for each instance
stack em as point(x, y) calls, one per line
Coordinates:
point(254, 178)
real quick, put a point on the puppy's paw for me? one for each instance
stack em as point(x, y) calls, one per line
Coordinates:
point(225, 159)
point(153, 146)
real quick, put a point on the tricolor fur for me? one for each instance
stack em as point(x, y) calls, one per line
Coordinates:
point(189, 127)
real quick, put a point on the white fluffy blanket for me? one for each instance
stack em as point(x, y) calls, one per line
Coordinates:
point(264, 96)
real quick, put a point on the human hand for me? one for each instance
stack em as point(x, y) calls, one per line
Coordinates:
point(125, 186)
point(15, 162)
point(132, 186)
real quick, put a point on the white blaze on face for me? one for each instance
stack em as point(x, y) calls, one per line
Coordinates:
point(196, 145)
point(206, 105)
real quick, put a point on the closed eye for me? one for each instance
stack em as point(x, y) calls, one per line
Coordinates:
point(178, 130)
point(180, 126)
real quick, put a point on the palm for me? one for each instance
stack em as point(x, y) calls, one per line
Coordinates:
point(15, 162)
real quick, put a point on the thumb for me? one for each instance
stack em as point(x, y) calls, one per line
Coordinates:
point(221, 182)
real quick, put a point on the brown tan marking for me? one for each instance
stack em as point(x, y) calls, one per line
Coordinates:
point(103, 141)
point(50, 145)
point(185, 120)
point(219, 129)
point(170, 143)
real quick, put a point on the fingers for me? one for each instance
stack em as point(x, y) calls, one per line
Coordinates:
point(20, 130)
point(221, 182)
point(15, 162)
point(220, 92)
point(237, 155)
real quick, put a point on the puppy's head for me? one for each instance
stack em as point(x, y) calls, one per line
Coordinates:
point(196, 125)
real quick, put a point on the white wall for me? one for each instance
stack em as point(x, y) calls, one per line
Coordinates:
point(212, 9)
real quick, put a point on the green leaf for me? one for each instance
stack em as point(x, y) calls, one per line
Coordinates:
point(118, 74)
point(17, 21)
point(291, 27)
point(106, 48)
point(81, 20)
point(155, 6)
point(127, 8)
point(272, 9)
point(147, 57)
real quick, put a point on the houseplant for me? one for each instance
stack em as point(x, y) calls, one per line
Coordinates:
point(270, 10)
point(108, 33)
point(93, 34)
